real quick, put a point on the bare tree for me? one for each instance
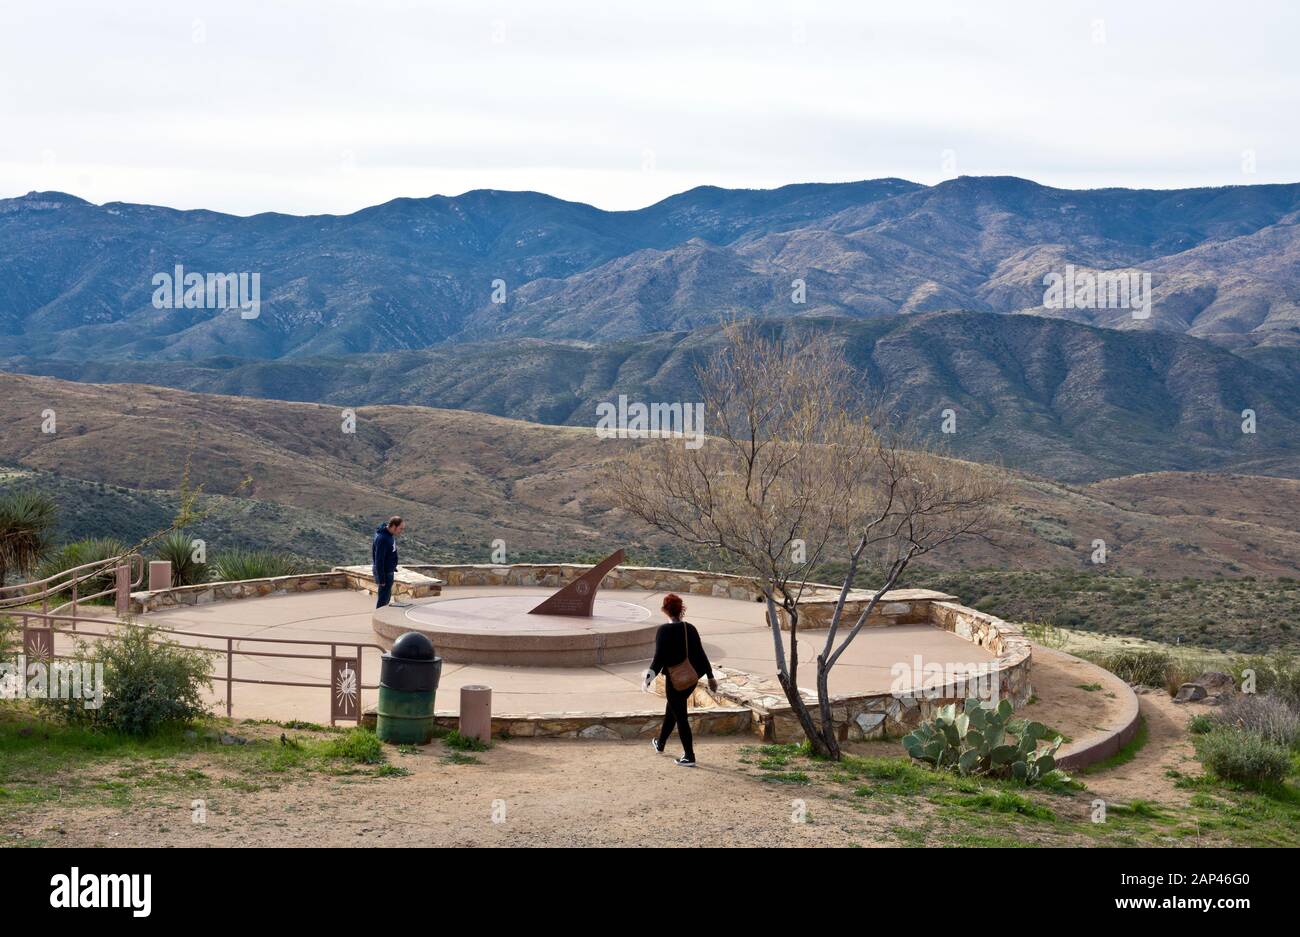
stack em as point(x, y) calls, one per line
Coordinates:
point(796, 470)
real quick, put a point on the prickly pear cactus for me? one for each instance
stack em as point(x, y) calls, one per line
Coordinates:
point(975, 742)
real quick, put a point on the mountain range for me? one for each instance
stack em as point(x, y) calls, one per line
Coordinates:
point(935, 294)
point(76, 279)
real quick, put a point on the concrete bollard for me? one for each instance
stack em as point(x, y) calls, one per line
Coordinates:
point(160, 575)
point(476, 712)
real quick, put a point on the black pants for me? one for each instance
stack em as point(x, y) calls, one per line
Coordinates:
point(675, 715)
point(385, 593)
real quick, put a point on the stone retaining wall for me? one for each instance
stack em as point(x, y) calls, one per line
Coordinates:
point(207, 592)
point(896, 607)
point(407, 583)
point(554, 575)
point(886, 715)
point(724, 720)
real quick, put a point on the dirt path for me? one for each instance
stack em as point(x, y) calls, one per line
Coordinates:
point(554, 793)
point(1168, 747)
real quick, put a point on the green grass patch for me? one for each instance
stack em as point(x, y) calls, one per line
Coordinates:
point(44, 761)
point(1126, 754)
point(998, 802)
point(464, 743)
point(460, 758)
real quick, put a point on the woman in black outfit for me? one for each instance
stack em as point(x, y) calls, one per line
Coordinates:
point(676, 642)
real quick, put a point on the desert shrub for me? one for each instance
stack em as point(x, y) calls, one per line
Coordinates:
point(1148, 668)
point(80, 553)
point(1277, 675)
point(149, 682)
point(237, 565)
point(1200, 724)
point(1046, 634)
point(178, 549)
point(1244, 757)
point(1264, 715)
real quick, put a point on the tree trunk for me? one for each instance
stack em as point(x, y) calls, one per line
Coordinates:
point(824, 704)
point(787, 677)
point(815, 737)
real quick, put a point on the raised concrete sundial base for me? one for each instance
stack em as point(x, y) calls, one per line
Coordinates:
point(499, 629)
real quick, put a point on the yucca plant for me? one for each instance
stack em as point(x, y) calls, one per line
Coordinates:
point(26, 532)
point(80, 553)
point(178, 549)
point(237, 565)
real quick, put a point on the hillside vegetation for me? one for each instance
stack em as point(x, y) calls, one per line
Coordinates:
point(1050, 397)
point(288, 476)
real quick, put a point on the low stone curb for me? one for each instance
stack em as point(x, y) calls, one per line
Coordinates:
point(618, 726)
point(1081, 753)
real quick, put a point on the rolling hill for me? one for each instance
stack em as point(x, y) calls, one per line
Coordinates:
point(466, 479)
point(1047, 396)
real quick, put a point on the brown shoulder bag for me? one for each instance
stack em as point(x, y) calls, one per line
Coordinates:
point(683, 676)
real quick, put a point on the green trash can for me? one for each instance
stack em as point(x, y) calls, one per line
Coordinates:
point(408, 682)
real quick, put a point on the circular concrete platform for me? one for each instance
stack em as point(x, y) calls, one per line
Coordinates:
point(498, 629)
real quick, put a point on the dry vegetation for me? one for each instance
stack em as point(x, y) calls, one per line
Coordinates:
point(466, 479)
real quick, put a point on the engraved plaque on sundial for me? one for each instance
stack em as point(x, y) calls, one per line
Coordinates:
point(577, 598)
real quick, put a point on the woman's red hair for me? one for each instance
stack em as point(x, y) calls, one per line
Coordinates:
point(674, 605)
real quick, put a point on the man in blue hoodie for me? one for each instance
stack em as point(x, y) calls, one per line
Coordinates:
point(383, 558)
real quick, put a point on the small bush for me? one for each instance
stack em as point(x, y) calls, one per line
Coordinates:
point(238, 565)
point(1266, 716)
point(1277, 675)
point(149, 682)
point(1244, 757)
point(81, 553)
point(1045, 634)
point(1147, 668)
point(1200, 724)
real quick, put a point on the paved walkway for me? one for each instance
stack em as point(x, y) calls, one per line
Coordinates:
point(734, 636)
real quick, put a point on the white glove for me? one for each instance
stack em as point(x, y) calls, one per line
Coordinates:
point(647, 679)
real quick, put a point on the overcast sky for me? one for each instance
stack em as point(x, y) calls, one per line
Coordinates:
point(329, 106)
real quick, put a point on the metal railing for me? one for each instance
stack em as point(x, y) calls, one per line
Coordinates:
point(127, 572)
point(345, 683)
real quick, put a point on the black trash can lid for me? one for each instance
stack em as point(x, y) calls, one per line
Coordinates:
point(412, 646)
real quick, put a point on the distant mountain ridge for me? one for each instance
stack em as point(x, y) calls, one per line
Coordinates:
point(1056, 398)
point(75, 278)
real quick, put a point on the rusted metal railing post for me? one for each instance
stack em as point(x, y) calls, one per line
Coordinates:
point(123, 589)
point(230, 673)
